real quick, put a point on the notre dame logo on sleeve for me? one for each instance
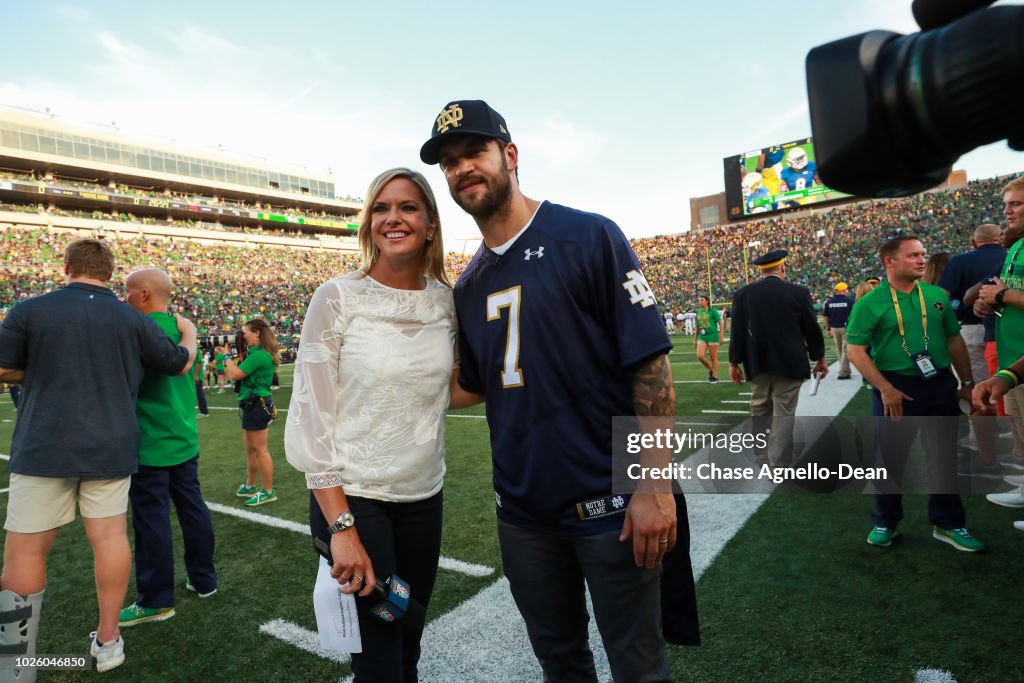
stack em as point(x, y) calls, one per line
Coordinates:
point(638, 289)
point(449, 118)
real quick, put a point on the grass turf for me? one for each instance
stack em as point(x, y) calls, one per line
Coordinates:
point(796, 595)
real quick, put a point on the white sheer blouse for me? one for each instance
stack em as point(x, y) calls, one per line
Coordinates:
point(371, 389)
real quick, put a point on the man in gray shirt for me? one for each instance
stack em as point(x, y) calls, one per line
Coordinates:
point(80, 355)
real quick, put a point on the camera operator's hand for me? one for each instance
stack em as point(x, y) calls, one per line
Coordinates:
point(351, 563)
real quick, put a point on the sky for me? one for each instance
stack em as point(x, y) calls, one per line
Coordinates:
point(623, 109)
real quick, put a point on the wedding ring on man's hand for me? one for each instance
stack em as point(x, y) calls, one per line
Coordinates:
point(356, 578)
point(663, 541)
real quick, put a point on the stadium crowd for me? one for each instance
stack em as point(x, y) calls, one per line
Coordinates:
point(824, 248)
point(221, 285)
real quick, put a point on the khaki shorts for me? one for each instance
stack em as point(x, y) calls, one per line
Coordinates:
point(1013, 401)
point(43, 503)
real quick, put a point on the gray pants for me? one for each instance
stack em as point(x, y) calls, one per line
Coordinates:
point(839, 336)
point(547, 573)
point(775, 396)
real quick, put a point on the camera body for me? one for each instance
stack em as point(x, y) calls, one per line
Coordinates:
point(208, 342)
point(891, 114)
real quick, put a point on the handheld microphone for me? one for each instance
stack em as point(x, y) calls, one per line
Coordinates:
point(395, 601)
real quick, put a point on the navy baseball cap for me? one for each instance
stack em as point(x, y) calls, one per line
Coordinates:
point(463, 117)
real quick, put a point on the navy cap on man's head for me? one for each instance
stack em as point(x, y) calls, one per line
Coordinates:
point(463, 117)
point(771, 259)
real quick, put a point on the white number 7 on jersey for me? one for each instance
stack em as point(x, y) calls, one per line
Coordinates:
point(511, 375)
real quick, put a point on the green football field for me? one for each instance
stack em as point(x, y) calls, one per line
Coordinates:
point(792, 594)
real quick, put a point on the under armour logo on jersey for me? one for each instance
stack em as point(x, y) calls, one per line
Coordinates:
point(638, 289)
point(448, 118)
point(539, 253)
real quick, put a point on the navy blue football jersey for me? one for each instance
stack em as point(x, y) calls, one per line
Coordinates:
point(799, 180)
point(837, 310)
point(550, 331)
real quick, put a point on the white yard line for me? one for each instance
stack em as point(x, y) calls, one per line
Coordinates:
point(725, 412)
point(467, 568)
point(933, 676)
point(747, 402)
point(302, 638)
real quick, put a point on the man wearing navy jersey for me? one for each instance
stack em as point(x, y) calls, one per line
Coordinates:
point(560, 331)
point(836, 312)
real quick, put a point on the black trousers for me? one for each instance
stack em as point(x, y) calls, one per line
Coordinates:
point(402, 539)
point(936, 400)
point(548, 576)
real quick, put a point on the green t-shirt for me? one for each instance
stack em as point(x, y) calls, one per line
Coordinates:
point(218, 363)
point(708, 321)
point(166, 411)
point(873, 322)
point(1010, 326)
point(259, 369)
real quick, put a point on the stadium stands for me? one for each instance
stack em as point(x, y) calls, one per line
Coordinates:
point(223, 284)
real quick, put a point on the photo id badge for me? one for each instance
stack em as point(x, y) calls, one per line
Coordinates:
point(925, 366)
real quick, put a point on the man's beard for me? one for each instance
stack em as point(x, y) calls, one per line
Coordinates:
point(495, 196)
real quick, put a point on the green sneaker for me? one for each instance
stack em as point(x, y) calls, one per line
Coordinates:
point(246, 491)
point(134, 614)
point(882, 536)
point(261, 497)
point(960, 539)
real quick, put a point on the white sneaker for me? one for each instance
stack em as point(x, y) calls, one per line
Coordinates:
point(1014, 479)
point(1006, 435)
point(969, 442)
point(1019, 526)
point(108, 656)
point(1013, 499)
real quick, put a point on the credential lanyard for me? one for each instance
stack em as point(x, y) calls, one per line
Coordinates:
point(899, 317)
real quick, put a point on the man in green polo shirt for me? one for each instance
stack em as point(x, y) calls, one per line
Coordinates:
point(168, 471)
point(914, 338)
point(1007, 297)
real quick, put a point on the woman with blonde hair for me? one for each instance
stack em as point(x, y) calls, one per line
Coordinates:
point(366, 421)
point(256, 408)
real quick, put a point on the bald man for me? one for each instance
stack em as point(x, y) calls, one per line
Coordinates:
point(168, 471)
point(963, 272)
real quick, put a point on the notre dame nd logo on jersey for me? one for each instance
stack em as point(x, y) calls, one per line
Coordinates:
point(449, 118)
point(638, 289)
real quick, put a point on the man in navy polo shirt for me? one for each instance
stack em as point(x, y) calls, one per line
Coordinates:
point(76, 440)
point(836, 312)
point(560, 331)
point(963, 272)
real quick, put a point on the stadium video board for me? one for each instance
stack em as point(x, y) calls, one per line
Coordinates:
point(773, 179)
